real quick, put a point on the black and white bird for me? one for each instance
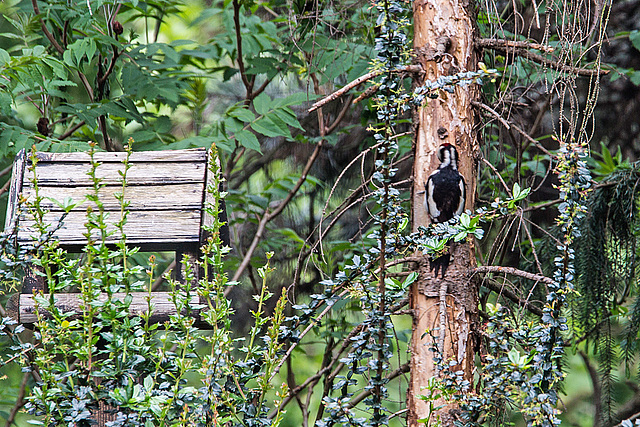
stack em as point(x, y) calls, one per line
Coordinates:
point(445, 196)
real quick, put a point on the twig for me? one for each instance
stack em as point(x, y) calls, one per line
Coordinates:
point(341, 115)
point(501, 44)
point(513, 271)
point(595, 381)
point(493, 112)
point(160, 278)
point(6, 170)
point(295, 391)
point(236, 21)
point(508, 125)
point(493, 168)
point(346, 342)
point(337, 94)
point(543, 205)
point(532, 140)
point(359, 398)
point(70, 132)
point(45, 30)
point(501, 290)
point(268, 216)
point(533, 246)
point(22, 353)
point(102, 79)
point(5, 187)
point(302, 334)
point(20, 401)
point(553, 63)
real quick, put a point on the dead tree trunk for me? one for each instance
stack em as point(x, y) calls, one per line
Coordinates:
point(445, 308)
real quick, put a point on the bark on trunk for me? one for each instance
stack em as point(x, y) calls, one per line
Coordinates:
point(444, 45)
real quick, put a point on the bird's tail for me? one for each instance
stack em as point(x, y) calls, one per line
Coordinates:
point(440, 263)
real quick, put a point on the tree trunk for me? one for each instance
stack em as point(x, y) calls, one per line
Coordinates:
point(444, 46)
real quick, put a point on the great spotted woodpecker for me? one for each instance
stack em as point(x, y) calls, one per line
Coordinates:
point(445, 195)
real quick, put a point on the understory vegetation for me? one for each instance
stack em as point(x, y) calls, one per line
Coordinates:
point(297, 312)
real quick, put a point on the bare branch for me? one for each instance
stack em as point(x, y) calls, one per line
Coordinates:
point(495, 171)
point(359, 398)
point(553, 63)
point(493, 112)
point(341, 114)
point(337, 94)
point(501, 290)
point(302, 334)
point(72, 130)
point(20, 401)
point(502, 44)
point(513, 271)
point(45, 30)
point(268, 216)
point(6, 170)
point(595, 381)
point(236, 21)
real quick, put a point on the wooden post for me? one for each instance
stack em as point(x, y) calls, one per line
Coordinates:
point(444, 307)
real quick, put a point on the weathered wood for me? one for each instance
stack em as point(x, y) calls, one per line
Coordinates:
point(190, 155)
point(149, 173)
point(142, 228)
point(165, 192)
point(24, 307)
point(16, 187)
point(152, 197)
point(105, 412)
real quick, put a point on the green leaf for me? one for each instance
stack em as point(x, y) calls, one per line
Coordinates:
point(262, 104)
point(289, 117)
point(294, 99)
point(465, 220)
point(268, 128)
point(148, 383)
point(606, 156)
point(4, 57)
point(634, 37)
point(5, 104)
point(514, 356)
point(242, 114)
point(460, 236)
point(412, 277)
point(247, 139)
point(66, 205)
point(516, 190)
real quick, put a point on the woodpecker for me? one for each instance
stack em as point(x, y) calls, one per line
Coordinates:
point(445, 196)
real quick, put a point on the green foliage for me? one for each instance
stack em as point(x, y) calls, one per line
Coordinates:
point(607, 282)
point(152, 374)
point(82, 77)
point(240, 78)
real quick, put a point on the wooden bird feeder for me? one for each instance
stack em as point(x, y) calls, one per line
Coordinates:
point(166, 191)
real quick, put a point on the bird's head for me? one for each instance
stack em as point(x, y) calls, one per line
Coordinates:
point(448, 156)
